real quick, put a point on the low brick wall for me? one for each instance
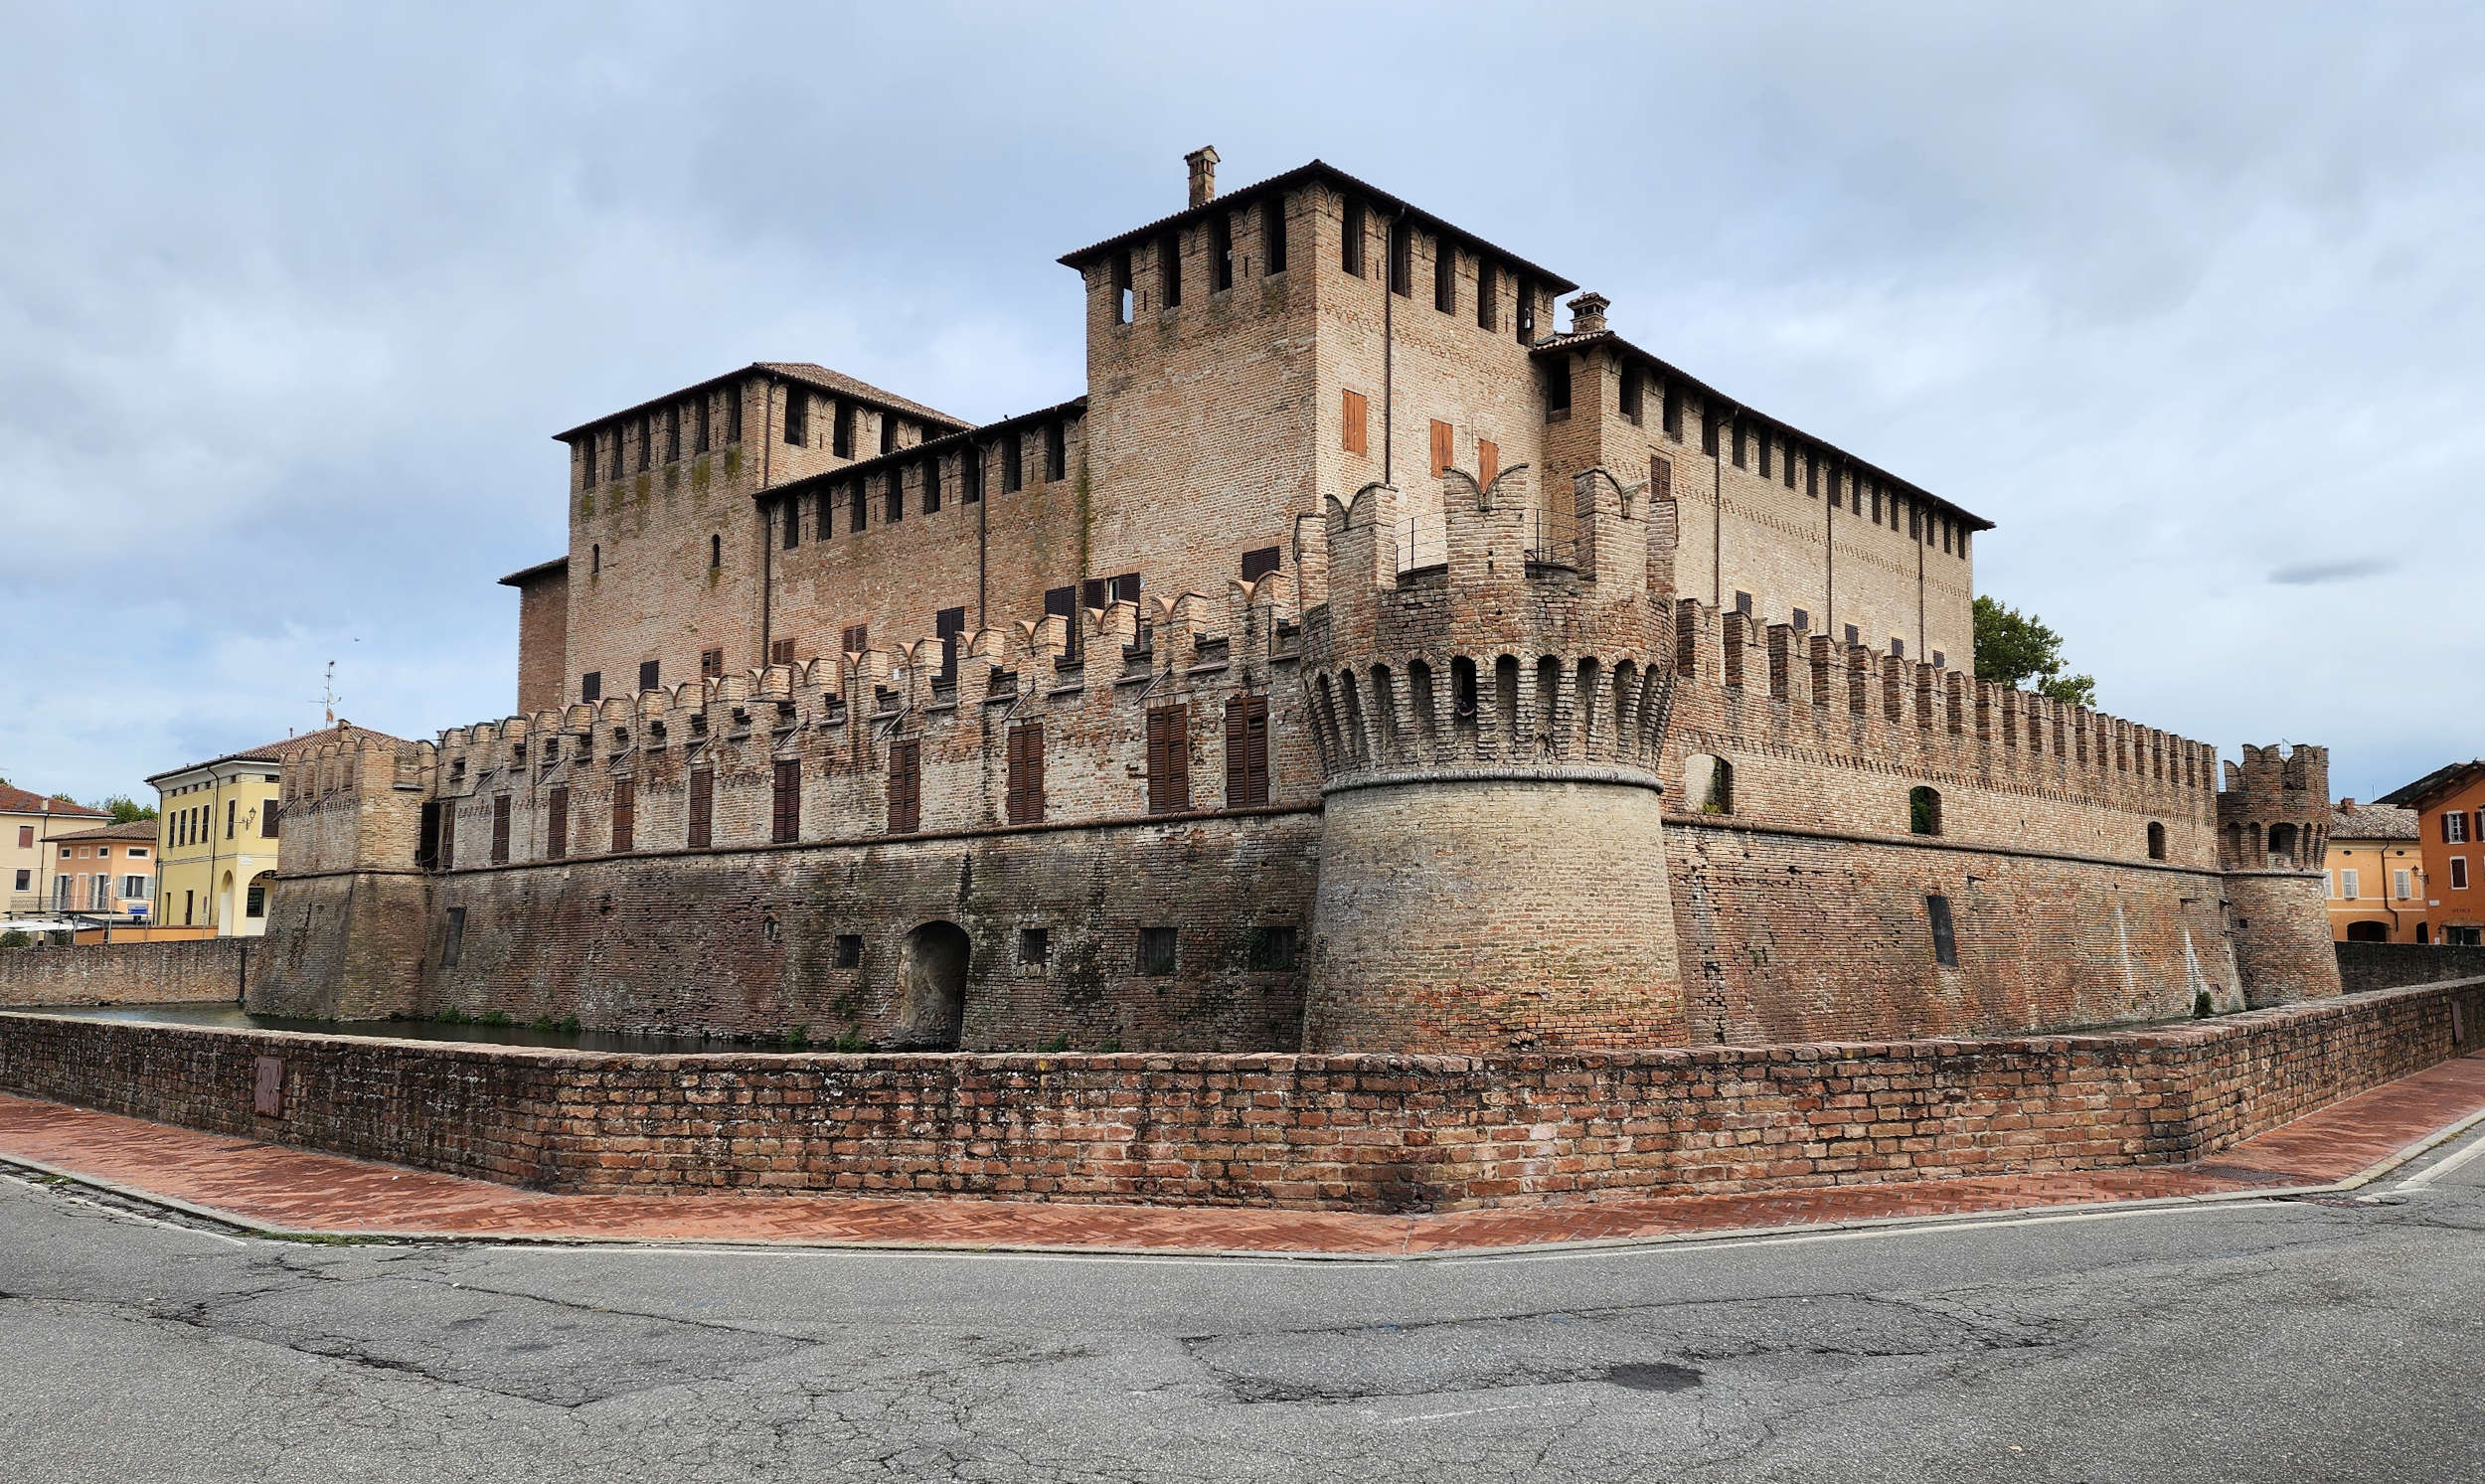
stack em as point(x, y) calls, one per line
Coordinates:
point(124, 973)
point(2369, 967)
point(1359, 1132)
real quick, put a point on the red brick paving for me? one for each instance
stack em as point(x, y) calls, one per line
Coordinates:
point(270, 1185)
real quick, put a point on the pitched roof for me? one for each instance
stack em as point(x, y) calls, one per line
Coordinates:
point(26, 801)
point(800, 371)
point(1325, 171)
point(526, 575)
point(275, 752)
point(2433, 785)
point(1076, 406)
point(1673, 373)
point(136, 829)
point(2349, 820)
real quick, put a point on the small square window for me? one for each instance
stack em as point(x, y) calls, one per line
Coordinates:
point(1035, 948)
point(1272, 950)
point(849, 950)
point(1156, 950)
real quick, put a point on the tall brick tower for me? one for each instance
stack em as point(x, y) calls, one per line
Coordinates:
point(1490, 713)
point(2272, 822)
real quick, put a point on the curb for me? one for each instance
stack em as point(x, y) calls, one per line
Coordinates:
point(1862, 1225)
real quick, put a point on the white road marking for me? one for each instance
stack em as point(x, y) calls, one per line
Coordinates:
point(2430, 1173)
point(1472, 1412)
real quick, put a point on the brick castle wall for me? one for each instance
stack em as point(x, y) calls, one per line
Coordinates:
point(2369, 967)
point(124, 973)
point(1354, 1132)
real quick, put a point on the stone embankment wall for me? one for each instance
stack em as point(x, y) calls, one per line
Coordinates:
point(124, 973)
point(1354, 1132)
point(2370, 966)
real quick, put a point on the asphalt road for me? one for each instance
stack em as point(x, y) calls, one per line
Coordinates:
point(2277, 1339)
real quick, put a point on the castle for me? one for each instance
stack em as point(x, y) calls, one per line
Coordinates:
point(1204, 711)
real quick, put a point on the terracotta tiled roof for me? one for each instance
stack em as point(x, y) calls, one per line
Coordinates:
point(27, 801)
point(1076, 406)
point(1679, 376)
point(2349, 820)
point(136, 829)
point(275, 752)
point(1323, 170)
point(2441, 780)
point(800, 371)
point(526, 575)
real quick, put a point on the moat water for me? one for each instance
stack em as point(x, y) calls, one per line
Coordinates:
point(235, 1018)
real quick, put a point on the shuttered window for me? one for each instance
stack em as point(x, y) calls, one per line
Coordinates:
point(500, 830)
point(1353, 422)
point(1247, 751)
point(268, 821)
point(557, 823)
point(1660, 477)
point(1440, 446)
point(1026, 774)
point(702, 808)
point(855, 638)
point(625, 815)
point(1169, 759)
point(1487, 462)
point(785, 807)
point(905, 786)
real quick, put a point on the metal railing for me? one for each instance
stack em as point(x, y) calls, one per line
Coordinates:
point(1423, 543)
point(1552, 542)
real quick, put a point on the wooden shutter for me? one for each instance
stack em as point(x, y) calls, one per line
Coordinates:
point(1026, 774)
point(556, 824)
point(785, 817)
point(1353, 421)
point(1247, 751)
point(267, 820)
point(1169, 759)
point(702, 808)
point(904, 787)
point(625, 814)
point(1487, 462)
point(1660, 477)
point(448, 834)
point(500, 829)
point(1440, 446)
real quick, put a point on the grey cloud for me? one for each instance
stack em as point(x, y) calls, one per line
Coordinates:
point(2315, 574)
point(297, 295)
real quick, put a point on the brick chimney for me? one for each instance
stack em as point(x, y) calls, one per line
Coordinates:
point(1202, 163)
point(1588, 313)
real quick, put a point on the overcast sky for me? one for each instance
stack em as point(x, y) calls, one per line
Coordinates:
point(2184, 298)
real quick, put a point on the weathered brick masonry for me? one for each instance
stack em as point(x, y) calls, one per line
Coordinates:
point(2364, 967)
point(126, 973)
point(1359, 1132)
point(1355, 649)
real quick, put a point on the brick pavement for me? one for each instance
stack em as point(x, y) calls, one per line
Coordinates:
point(272, 1185)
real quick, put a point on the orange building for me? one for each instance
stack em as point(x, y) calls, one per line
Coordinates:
point(2376, 869)
point(104, 870)
point(2449, 803)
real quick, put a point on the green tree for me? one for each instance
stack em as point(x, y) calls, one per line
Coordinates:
point(2019, 649)
point(126, 810)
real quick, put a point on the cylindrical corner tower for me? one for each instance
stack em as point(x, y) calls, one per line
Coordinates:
point(2272, 827)
point(1490, 718)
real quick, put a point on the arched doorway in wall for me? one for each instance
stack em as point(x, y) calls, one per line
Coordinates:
point(2367, 933)
point(931, 987)
point(224, 922)
point(253, 919)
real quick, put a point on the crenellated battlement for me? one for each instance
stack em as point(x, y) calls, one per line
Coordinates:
point(623, 766)
point(1775, 689)
point(2273, 814)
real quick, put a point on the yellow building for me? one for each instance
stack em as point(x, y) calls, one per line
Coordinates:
point(2376, 867)
point(216, 840)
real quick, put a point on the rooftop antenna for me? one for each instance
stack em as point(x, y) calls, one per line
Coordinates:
point(328, 693)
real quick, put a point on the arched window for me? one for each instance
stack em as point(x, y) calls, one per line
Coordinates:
point(2156, 841)
point(1708, 784)
point(2282, 844)
point(1924, 810)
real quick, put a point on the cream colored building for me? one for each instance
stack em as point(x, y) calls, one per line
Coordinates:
point(215, 837)
point(26, 861)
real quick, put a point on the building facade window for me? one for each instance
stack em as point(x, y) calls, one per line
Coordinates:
point(1157, 950)
point(1272, 234)
point(1169, 759)
point(701, 830)
point(625, 815)
point(797, 416)
point(556, 822)
point(785, 801)
point(1025, 775)
point(500, 830)
point(1247, 751)
point(905, 786)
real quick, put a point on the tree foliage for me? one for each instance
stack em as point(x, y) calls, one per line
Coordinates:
point(2019, 649)
point(126, 810)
